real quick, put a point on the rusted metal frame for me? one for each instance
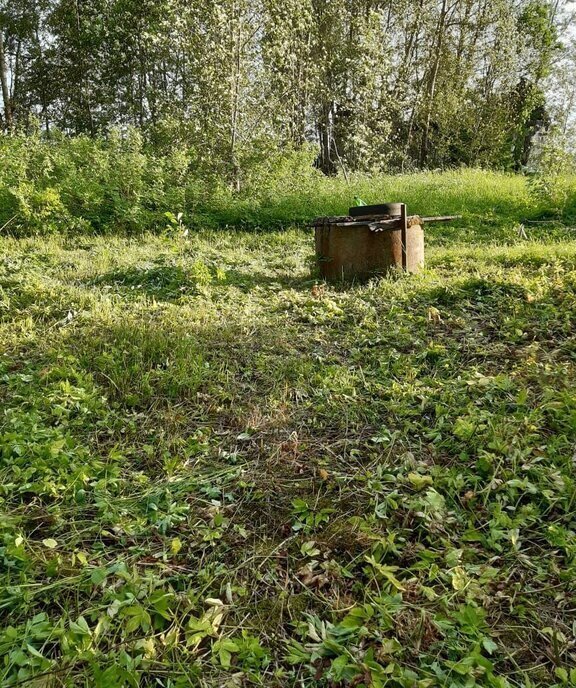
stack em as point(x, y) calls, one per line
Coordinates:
point(384, 224)
point(384, 220)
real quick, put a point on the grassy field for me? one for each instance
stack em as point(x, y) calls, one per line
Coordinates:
point(217, 471)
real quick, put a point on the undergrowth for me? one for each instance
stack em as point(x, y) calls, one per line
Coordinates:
point(217, 471)
point(84, 186)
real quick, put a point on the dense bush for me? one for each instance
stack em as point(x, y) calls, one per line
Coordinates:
point(86, 184)
point(116, 184)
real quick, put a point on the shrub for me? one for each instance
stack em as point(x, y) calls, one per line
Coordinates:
point(554, 183)
point(88, 185)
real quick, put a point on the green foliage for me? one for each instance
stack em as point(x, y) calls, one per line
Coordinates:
point(114, 184)
point(373, 87)
point(86, 185)
point(553, 184)
point(308, 519)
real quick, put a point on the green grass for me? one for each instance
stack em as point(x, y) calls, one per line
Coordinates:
point(493, 199)
point(217, 471)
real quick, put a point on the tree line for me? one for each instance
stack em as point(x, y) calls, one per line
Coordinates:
point(372, 84)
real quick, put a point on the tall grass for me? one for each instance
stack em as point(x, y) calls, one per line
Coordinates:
point(476, 194)
point(93, 186)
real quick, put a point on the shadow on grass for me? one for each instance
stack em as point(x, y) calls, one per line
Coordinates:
point(247, 281)
point(305, 407)
point(474, 291)
point(166, 282)
point(172, 282)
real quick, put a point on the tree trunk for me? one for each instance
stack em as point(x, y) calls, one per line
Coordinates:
point(42, 90)
point(237, 39)
point(325, 160)
point(431, 91)
point(4, 84)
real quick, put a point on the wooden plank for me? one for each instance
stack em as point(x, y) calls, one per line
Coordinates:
point(373, 217)
point(319, 221)
point(381, 222)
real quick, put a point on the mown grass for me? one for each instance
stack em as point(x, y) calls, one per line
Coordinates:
point(218, 471)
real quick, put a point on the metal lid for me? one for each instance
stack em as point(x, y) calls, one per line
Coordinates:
point(390, 209)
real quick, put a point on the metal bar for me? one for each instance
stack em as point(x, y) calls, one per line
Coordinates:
point(441, 218)
point(404, 233)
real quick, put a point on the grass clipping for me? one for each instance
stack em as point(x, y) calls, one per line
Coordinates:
point(216, 472)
